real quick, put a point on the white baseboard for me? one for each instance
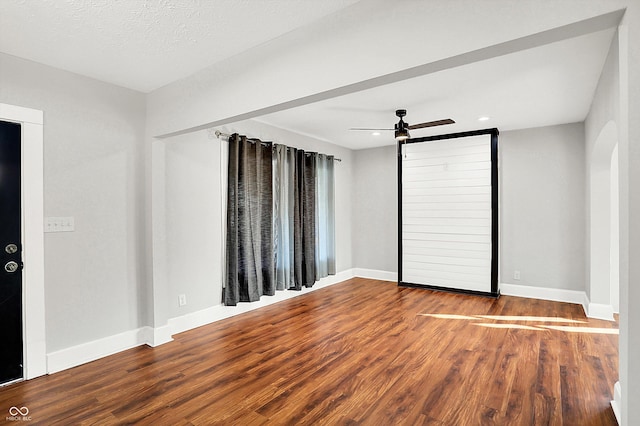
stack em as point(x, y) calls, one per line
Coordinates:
point(616, 404)
point(600, 311)
point(591, 310)
point(157, 336)
point(216, 313)
point(546, 293)
point(375, 274)
point(91, 351)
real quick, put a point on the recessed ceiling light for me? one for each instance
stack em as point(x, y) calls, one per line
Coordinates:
point(375, 134)
point(484, 118)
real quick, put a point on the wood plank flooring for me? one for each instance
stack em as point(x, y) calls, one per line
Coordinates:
point(359, 352)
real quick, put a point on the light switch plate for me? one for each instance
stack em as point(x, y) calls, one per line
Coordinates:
point(59, 224)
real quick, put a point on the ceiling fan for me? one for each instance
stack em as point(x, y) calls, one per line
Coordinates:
point(402, 129)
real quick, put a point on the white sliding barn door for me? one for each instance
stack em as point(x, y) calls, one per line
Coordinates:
point(447, 214)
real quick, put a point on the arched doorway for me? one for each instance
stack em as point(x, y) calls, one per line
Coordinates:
point(603, 224)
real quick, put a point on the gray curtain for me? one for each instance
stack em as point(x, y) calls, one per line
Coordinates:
point(249, 246)
point(285, 194)
point(305, 250)
point(280, 219)
point(325, 217)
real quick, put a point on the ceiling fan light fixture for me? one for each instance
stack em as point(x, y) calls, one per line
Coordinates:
point(402, 135)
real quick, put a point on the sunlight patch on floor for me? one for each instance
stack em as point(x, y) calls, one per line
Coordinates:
point(448, 316)
point(529, 318)
point(503, 318)
point(597, 330)
point(513, 319)
point(519, 326)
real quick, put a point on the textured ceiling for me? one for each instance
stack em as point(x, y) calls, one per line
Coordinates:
point(146, 44)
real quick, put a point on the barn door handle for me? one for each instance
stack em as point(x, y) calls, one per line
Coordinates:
point(11, 266)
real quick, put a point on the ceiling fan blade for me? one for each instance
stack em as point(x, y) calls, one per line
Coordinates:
point(365, 128)
point(431, 124)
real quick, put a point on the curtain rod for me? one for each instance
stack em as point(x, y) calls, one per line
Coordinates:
point(218, 134)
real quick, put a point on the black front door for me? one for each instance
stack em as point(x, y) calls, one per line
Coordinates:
point(10, 254)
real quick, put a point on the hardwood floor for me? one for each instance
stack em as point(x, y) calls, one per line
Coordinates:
point(359, 352)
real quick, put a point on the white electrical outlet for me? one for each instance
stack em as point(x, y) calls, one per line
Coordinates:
point(182, 300)
point(516, 275)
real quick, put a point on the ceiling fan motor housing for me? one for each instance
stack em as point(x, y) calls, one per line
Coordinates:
point(401, 128)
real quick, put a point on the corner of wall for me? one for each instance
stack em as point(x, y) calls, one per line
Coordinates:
point(91, 351)
point(375, 274)
point(600, 311)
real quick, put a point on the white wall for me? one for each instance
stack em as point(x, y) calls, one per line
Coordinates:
point(629, 154)
point(375, 209)
point(614, 229)
point(93, 136)
point(193, 222)
point(194, 217)
point(542, 207)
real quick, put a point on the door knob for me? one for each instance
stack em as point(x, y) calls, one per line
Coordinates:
point(11, 266)
point(11, 248)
